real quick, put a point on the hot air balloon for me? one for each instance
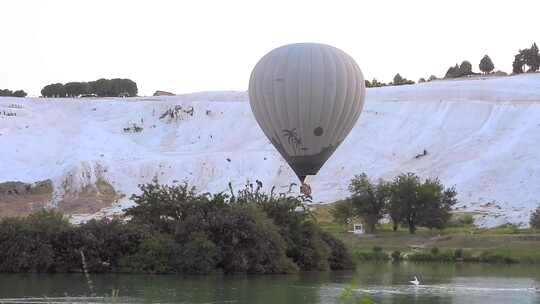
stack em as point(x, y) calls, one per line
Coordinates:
point(306, 97)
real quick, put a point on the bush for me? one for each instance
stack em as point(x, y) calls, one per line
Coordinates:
point(464, 69)
point(152, 256)
point(40, 242)
point(10, 93)
point(102, 87)
point(375, 255)
point(398, 80)
point(465, 220)
point(458, 254)
point(535, 219)
point(200, 255)
point(175, 230)
point(491, 257)
point(396, 256)
point(107, 241)
point(434, 255)
point(340, 257)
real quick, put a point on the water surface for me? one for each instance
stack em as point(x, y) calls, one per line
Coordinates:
point(384, 283)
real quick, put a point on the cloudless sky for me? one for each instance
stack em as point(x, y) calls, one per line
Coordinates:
point(200, 45)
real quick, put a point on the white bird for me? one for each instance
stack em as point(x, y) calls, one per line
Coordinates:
point(415, 282)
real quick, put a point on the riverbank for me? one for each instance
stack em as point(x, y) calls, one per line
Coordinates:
point(462, 243)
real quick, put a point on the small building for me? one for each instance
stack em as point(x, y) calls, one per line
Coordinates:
point(358, 228)
point(163, 93)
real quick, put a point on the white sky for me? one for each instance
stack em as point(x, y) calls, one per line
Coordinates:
point(198, 45)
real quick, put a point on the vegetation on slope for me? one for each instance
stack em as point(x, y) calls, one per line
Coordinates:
point(173, 229)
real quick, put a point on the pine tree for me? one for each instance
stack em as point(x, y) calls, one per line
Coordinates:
point(453, 72)
point(398, 79)
point(486, 65)
point(517, 65)
point(532, 58)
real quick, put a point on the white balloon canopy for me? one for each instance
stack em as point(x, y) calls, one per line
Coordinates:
point(306, 97)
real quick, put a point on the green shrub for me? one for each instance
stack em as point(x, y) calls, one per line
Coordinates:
point(433, 256)
point(467, 220)
point(200, 255)
point(340, 257)
point(535, 219)
point(41, 242)
point(396, 256)
point(172, 229)
point(491, 257)
point(152, 256)
point(375, 255)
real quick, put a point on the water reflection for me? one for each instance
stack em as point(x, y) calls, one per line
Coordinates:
point(384, 282)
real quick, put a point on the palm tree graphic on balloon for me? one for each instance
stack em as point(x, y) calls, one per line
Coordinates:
point(293, 139)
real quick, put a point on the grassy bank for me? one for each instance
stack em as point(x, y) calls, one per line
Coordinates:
point(460, 243)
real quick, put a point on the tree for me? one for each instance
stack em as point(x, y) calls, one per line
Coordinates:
point(422, 79)
point(101, 87)
point(19, 93)
point(5, 92)
point(343, 212)
point(159, 207)
point(436, 203)
point(307, 245)
point(535, 219)
point(531, 58)
point(426, 204)
point(369, 200)
point(432, 77)
point(404, 201)
point(398, 80)
point(465, 68)
point(453, 72)
point(76, 89)
point(54, 90)
point(367, 83)
point(375, 83)
point(486, 65)
point(519, 62)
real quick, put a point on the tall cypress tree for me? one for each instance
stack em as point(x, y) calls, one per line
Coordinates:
point(517, 65)
point(486, 65)
point(532, 58)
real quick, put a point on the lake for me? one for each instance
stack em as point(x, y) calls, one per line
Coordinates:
point(383, 282)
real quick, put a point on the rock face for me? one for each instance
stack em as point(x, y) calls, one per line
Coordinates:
point(480, 135)
point(18, 198)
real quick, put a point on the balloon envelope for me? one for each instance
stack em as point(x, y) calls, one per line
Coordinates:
point(306, 97)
